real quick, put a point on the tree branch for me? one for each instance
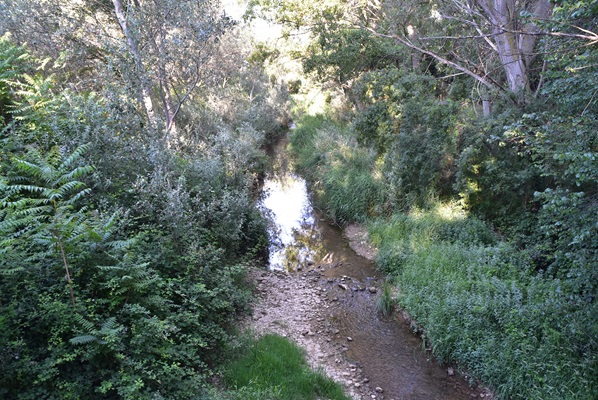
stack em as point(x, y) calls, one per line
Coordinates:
point(482, 79)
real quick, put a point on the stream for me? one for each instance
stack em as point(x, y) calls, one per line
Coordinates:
point(389, 360)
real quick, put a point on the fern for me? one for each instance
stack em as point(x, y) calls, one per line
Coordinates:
point(39, 202)
point(87, 326)
point(83, 339)
point(109, 328)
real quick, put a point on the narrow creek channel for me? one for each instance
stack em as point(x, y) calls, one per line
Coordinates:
point(389, 360)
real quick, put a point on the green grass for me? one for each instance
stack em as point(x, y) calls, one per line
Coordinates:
point(344, 176)
point(272, 367)
point(385, 303)
point(482, 306)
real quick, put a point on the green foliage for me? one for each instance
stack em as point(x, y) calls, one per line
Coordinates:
point(38, 200)
point(482, 306)
point(341, 55)
point(347, 179)
point(495, 176)
point(272, 367)
point(519, 314)
point(153, 243)
point(12, 62)
point(416, 133)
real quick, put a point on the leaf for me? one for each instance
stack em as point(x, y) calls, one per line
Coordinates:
point(83, 339)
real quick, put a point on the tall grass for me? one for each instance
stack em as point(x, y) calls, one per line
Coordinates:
point(273, 367)
point(344, 176)
point(481, 306)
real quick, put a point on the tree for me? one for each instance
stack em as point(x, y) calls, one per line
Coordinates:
point(470, 34)
point(169, 43)
point(160, 55)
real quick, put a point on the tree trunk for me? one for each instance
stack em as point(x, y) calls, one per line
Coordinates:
point(515, 42)
point(146, 99)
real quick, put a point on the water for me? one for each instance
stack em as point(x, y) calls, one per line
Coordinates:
point(295, 233)
point(387, 351)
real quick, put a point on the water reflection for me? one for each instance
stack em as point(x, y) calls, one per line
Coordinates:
point(294, 236)
point(295, 239)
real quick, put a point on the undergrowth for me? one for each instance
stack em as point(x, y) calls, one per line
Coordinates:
point(481, 305)
point(481, 302)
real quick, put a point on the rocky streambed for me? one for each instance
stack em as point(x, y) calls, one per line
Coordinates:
point(328, 308)
point(320, 290)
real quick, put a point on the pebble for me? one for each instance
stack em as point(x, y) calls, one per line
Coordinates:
point(379, 389)
point(349, 339)
point(343, 286)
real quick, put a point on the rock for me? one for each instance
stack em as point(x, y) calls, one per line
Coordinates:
point(349, 339)
point(343, 286)
point(330, 280)
point(357, 384)
point(379, 389)
point(346, 374)
point(450, 371)
point(336, 331)
point(372, 289)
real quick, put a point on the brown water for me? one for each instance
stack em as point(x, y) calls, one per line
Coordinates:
point(385, 349)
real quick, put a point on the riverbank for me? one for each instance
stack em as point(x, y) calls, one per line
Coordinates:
point(480, 301)
point(312, 307)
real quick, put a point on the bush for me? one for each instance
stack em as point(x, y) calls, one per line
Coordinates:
point(123, 280)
